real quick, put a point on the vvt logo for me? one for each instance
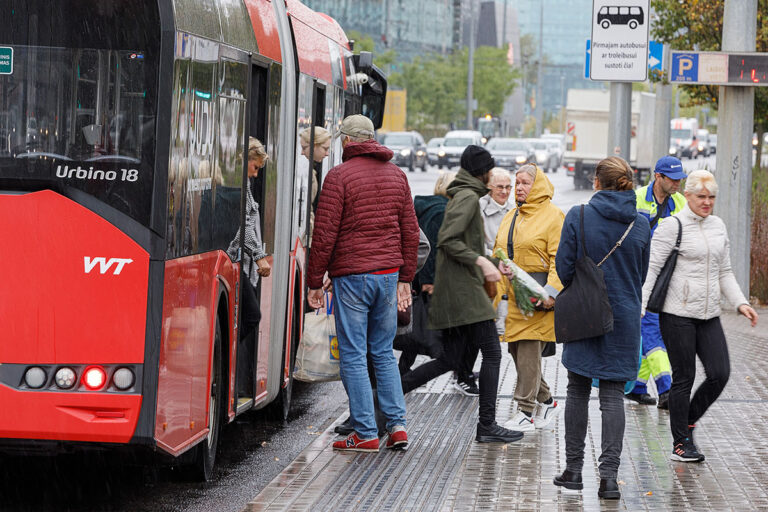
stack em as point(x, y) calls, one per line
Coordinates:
point(105, 264)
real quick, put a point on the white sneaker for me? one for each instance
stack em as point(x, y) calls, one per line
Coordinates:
point(521, 422)
point(546, 414)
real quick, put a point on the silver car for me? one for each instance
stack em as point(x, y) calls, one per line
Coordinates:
point(510, 153)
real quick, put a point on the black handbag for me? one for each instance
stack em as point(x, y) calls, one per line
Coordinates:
point(660, 287)
point(582, 308)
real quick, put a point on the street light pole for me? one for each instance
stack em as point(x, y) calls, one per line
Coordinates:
point(539, 109)
point(471, 66)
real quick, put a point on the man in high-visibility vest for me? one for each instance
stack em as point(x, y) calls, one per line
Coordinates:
point(657, 201)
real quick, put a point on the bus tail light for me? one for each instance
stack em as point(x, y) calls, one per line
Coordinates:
point(65, 378)
point(123, 378)
point(35, 377)
point(94, 378)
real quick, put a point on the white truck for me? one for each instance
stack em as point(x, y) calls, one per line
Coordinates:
point(587, 115)
point(683, 133)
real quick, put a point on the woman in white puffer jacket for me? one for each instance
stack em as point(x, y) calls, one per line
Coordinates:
point(690, 319)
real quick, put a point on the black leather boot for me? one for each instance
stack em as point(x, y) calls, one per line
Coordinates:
point(609, 489)
point(569, 480)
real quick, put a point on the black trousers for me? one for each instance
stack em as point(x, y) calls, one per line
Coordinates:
point(577, 419)
point(686, 338)
point(481, 335)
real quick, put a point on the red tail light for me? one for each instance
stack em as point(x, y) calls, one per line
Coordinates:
point(94, 378)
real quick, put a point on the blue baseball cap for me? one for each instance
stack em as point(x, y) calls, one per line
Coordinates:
point(670, 167)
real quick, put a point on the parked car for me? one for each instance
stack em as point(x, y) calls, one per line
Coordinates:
point(510, 153)
point(712, 143)
point(409, 149)
point(433, 151)
point(545, 157)
point(456, 141)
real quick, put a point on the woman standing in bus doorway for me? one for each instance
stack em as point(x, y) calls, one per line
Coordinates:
point(254, 261)
point(321, 149)
point(530, 235)
point(614, 224)
point(690, 318)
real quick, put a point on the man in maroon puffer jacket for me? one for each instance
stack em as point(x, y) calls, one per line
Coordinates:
point(366, 237)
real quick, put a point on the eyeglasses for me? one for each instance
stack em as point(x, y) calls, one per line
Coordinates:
point(503, 187)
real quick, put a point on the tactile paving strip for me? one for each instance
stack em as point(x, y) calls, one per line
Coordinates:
point(446, 470)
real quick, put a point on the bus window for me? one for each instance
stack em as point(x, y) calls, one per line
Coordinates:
point(79, 108)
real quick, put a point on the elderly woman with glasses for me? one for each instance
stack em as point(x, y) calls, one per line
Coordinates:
point(530, 235)
point(690, 317)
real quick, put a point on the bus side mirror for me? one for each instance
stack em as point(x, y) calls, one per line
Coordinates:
point(364, 61)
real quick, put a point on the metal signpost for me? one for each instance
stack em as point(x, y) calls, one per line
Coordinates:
point(619, 54)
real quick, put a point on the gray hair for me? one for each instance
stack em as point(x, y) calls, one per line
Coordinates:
point(700, 180)
point(529, 169)
point(498, 172)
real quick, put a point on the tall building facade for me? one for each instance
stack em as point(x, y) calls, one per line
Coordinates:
point(411, 28)
point(565, 29)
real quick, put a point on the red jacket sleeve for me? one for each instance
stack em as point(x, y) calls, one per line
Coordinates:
point(409, 233)
point(330, 208)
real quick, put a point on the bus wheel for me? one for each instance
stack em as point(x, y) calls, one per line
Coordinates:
point(633, 24)
point(205, 458)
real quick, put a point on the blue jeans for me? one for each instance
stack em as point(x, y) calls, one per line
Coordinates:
point(366, 321)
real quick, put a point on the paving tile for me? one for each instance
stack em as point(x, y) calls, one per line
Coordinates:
point(445, 470)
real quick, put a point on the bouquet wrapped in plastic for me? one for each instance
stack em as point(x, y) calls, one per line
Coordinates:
point(527, 291)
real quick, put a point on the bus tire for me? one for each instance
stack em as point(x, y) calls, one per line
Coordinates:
point(633, 24)
point(205, 456)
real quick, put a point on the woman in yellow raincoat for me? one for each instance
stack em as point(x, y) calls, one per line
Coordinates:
point(536, 224)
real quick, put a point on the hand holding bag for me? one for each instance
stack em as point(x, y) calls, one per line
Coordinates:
point(582, 308)
point(660, 287)
point(317, 358)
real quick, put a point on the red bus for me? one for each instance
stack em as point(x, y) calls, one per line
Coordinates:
point(124, 126)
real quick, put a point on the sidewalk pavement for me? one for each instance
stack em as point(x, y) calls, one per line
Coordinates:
point(445, 469)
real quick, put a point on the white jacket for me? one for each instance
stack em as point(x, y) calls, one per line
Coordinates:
point(703, 271)
point(493, 213)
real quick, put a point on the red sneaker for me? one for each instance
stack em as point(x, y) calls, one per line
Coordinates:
point(397, 439)
point(352, 443)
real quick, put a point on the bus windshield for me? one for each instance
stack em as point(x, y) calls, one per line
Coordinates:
point(79, 111)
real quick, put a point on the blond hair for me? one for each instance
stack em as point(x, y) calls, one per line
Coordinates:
point(256, 148)
point(443, 180)
point(321, 136)
point(614, 173)
point(700, 180)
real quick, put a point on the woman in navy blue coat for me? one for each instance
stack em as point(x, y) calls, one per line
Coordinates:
point(613, 357)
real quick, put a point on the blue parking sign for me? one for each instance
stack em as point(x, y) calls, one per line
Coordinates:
point(685, 67)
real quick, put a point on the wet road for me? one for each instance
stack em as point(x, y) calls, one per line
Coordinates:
point(252, 451)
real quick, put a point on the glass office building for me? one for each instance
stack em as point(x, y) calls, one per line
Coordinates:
point(565, 29)
point(409, 27)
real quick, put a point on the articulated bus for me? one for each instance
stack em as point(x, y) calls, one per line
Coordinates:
point(124, 127)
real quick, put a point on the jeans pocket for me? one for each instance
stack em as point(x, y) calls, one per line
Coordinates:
point(350, 290)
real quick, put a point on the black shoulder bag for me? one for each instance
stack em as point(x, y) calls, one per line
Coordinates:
point(660, 287)
point(582, 309)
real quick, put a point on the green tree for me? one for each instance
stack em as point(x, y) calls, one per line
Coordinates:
point(698, 25)
point(385, 61)
point(435, 88)
point(494, 80)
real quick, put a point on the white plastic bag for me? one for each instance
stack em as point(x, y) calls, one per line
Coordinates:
point(317, 358)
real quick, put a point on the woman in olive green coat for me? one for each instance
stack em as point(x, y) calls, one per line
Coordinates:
point(460, 306)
